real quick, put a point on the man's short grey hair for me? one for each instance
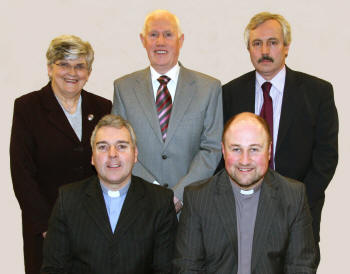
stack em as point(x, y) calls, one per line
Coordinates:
point(115, 121)
point(159, 13)
point(262, 17)
point(69, 47)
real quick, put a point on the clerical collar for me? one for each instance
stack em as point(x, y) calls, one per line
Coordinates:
point(115, 193)
point(244, 192)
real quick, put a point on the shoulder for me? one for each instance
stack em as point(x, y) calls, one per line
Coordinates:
point(238, 82)
point(288, 188)
point(198, 77)
point(310, 81)
point(132, 76)
point(153, 191)
point(33, 97)
point(96, 99)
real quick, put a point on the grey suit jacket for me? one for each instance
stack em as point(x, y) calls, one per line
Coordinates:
point(207, 234)
point(192, 149)
point(80, 239)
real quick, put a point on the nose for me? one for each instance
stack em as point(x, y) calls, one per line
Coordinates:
point(160, 40)
point(72, 70)
point(112, 152)
point(245, 158)
point(265, 49)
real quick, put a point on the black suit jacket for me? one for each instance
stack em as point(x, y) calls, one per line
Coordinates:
point(307, 142)
point(45, 152)
point(80, 239)
point(206, 240)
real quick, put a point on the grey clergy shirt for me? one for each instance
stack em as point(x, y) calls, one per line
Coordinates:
point(246, 208)
point(114, 201)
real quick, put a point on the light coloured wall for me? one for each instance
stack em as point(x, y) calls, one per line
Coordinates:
point(213, 44)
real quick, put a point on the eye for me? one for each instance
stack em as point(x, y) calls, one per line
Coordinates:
point(102, 147)
point(63, 65)
point(168, 34)
point(254, 149)
point(257, 43)
point(153, 34)
point(236, 149)
point(80, 67)
point(273, 42)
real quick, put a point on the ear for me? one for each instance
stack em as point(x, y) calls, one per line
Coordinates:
point(181, 40)
point(286, 50)
point(92, 160)
point(49, 70)
point(143, 40)
point(223, 150)
point(270, 148)
point(136, 154)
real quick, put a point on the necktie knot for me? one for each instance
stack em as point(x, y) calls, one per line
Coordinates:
point(163, 80)
point(266, 87)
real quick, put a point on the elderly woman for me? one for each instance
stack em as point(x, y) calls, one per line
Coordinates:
point(50, 138)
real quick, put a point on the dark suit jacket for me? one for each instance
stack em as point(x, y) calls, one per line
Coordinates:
point(80, 239)
point(207, 234)
point(307, 143)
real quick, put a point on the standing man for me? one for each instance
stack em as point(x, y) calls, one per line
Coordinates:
point(176, 112)
point(113, 222)
point(247, 218)
point(299, 109)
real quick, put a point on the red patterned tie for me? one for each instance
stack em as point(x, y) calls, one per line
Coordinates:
point(163, 104)
point(267, 113)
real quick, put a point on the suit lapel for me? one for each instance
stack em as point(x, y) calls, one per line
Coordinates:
point(226, 209)
point(184, 94)
point(246, 95)
point(145, 96)
point(131, 208)
point(95, 206)
point(56, 115)
point(265, 215)
point(88, 117)
point(290, 105)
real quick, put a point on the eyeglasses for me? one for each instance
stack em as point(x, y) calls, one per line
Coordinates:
point(68, 67)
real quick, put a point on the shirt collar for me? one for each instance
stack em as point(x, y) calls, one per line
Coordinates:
point(173, 74)
point(277, 81)
point(116, 193)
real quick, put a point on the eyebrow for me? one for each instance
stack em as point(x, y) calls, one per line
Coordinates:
point(118, 142)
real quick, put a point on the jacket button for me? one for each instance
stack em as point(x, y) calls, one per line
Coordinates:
point(165, 185)
point(164, 156)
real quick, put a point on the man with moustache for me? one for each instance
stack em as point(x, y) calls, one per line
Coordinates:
point(176, 112)
point(299, 109)
point(247, 218)
point(113, 222)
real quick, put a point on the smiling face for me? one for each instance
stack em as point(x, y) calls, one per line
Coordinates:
point(162, 41)
point(113, 156)
point(246, 152)
point(68, 77)
point(266, 48)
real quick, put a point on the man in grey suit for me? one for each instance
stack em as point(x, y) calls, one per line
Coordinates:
point(247, 218)
point(113, 222)
point(176, 112)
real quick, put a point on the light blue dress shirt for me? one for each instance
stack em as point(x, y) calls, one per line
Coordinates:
point(114, 201)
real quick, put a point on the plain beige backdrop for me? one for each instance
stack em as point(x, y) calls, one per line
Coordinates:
point(213, 45)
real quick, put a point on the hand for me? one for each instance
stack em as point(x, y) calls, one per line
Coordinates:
point(178, 204)
point(44, 234)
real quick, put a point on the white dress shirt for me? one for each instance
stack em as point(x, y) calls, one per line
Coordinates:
point(276, 94)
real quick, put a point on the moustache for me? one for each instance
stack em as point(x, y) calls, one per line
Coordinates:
point(265, 58)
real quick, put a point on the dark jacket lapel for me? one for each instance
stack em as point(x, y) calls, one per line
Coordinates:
point(226, 209)
point(96, 207)
point(291, 105)
point(265, 215)
point(131, 207)
point(56, 115)
point(88, 116)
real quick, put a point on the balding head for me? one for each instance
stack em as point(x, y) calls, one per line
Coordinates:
point(246, 147)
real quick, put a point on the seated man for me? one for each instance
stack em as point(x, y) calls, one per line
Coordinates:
point(247, 218)
point(113, 222)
